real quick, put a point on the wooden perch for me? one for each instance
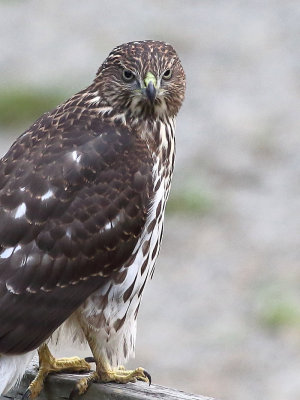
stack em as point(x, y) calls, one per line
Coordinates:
point(59, 386)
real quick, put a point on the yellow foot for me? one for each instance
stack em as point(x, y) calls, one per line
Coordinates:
point(83, 384)
point(121, 375)
point(49, 364)
point(118, 375)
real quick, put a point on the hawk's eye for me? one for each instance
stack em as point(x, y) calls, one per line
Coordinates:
point(167, 74)
point(128, 76)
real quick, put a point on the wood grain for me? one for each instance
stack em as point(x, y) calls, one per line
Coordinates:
point(59, 386)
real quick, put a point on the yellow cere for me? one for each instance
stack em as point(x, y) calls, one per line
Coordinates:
point(150, 78)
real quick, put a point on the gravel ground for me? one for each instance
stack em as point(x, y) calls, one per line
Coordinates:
point(221, 316)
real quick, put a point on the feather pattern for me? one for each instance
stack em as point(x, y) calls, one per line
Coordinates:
point(82, 199)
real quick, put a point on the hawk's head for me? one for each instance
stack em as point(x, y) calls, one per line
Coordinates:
point(144, 79)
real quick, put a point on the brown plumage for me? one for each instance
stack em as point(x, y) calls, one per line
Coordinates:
point(82, 199)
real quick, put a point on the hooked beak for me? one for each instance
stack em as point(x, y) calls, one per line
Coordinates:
point(151, 92)
point(150, 85)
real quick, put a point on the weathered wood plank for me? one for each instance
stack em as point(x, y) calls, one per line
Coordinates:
point(59, 386)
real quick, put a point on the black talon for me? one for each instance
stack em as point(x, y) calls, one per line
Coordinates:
point(148, 376)
point(26, 395)
point(90, 359)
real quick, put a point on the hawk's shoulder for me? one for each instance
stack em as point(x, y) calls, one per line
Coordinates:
point(74, 199)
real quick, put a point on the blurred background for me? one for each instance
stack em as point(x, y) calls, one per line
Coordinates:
point(222, 315)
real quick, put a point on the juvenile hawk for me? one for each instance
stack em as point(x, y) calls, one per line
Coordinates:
point(82, 199)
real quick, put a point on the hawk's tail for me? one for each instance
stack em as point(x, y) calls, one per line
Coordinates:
point(12, 368)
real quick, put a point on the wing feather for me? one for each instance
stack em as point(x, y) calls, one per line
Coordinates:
point(73, 203)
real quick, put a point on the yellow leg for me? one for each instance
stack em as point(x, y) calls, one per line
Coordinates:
point(49, 364)
point(106, 374)
point(83, 384)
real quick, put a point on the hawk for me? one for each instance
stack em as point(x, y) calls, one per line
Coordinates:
point(82, 199)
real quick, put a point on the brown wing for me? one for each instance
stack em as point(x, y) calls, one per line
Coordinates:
point(73, 204)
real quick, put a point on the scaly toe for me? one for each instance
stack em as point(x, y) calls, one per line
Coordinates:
point(48, 364)
point(83, 384)
point(120, 375)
